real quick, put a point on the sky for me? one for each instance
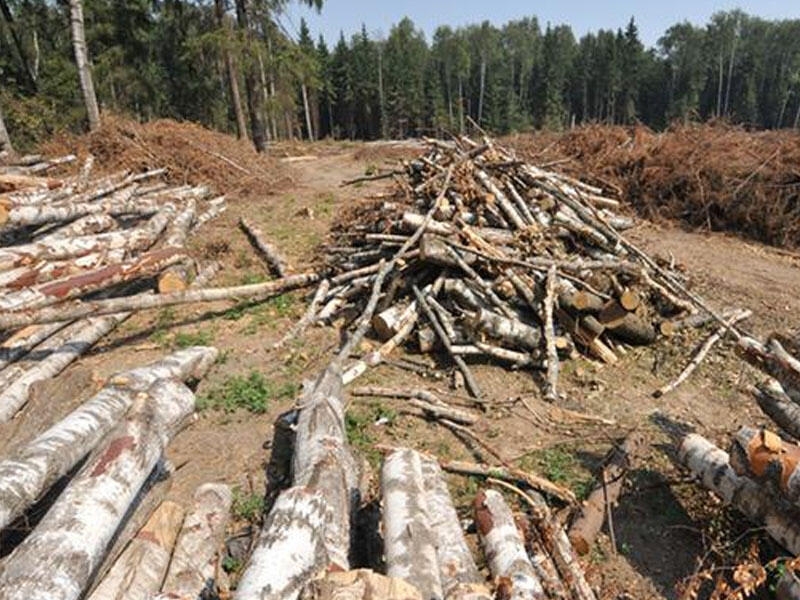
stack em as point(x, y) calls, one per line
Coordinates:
point(652, 18)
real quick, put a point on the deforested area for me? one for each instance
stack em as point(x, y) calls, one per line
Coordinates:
point(479, 312)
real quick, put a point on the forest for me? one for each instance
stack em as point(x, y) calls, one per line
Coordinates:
point(236, 67)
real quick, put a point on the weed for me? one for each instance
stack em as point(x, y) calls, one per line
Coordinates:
point(198, 338)
point(252, 278)
point(223, 356)
point(247, 507)
point(165, 318)
point(357, 425)
point(231, 564)
point(560, 466)
point(250, 393)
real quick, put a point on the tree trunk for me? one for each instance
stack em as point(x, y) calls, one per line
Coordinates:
point(84, 226)
point(30, 471)
point(381, 95)
point(139, 570)
point(230, 67)
point(513, 333)
point(251, 79)
point(322, 461)
point(505, 548)
point(54, 292)
point(408, 537)
point(460, 105)
point(82, 61)
point(779, 407)
point(30, 74)
point(603, 497)
point(268, 252)
point(290, 549)
point(718, 112)
point(59, 351)
point(482, 90)
point(85, 308)
point(307, 110)
point(710, 464)
point(21, 342)
point(730, 67)
point(457, 568)
point(5, 139)
point(57, 560)
point(194, 562)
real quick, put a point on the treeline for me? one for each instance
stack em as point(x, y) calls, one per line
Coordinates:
point(233, 67)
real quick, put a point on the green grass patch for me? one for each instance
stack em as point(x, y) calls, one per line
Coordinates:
point(247, 507)
point(251, 392)
point(197, 338)
point(560, 465)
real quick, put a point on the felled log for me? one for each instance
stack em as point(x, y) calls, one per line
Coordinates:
point(765, 457)
point(253, 292)
point(57, 559)
point(290, 549)
point(194, 561)
point(424, 400)
point(551, 389)
point(322, 460)
point(69, 247)
point(605, 494)
point(140, 569)
point(457, 569)
point(513, 333)
point(145, 265)
point(778, 406)
point(504, 546)
point(276, 262)
point(85, 226)
point(31, 469)
point(361, 584)
point(774, 360)
point(710, 465)
point(409, 542)
point(58, 352)
point(308, 317)
point(21, 342)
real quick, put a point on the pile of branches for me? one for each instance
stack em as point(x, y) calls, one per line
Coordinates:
point(484, 256)
point(68, 241)
point(714, 176)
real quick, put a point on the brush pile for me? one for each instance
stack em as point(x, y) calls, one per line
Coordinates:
point(488, 257)
point(68, 240)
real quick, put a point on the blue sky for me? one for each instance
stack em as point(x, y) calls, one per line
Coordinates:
point(583, 15)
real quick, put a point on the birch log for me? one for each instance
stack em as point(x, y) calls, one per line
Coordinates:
point(409, 540)
point(505, 548)
point(551, 388)
point(140, 569)
point(457, 569)
point(57, 353)
point(57, 560)
point(291, 547)
point(53, 292)
point(361, 584)
point(766, 458)
point(30, 470)
point(778, 406)
point(21, 342)
point(710, 465)
point(514, 333)
point(322, 461)
point(78, 310)
point(276, 262)
point(69, 247)
point(194, 561)
point(85, 226)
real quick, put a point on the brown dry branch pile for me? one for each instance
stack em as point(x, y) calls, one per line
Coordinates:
point(713, 176)
point(189, 152)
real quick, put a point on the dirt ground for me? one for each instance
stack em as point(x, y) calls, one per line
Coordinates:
point(663, 524)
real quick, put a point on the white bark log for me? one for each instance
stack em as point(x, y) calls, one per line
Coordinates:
point(514, 333)
point(710, 464)
point(82, 61)
point(57, 560)
point(268, 252)
point(290, 549)
point(778, 406)
point(194, 561)
point(322, 460)
point(30, 470)
point(58, 351)
point(409, 542)
point(78, 310)
point(456, 565)
point(505, 548)
point(140, 569)
point(84, 226)
point(20, 343)
point(181, 225)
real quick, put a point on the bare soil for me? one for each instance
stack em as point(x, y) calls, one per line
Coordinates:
point(663, 524)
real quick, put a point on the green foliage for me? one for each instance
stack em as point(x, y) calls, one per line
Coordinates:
point(252, 393)
point(197, 338)
point(247, 507)
point(559, 465)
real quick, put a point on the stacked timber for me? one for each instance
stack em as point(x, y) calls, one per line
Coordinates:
point(481, 256)
point(121, 435)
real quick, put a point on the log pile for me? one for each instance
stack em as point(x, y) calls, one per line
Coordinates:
point(66, 239)
point(485, 257)
point(305, 546)
point(120, 434)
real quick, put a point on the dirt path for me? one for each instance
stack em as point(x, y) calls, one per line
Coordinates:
point(657, 526)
